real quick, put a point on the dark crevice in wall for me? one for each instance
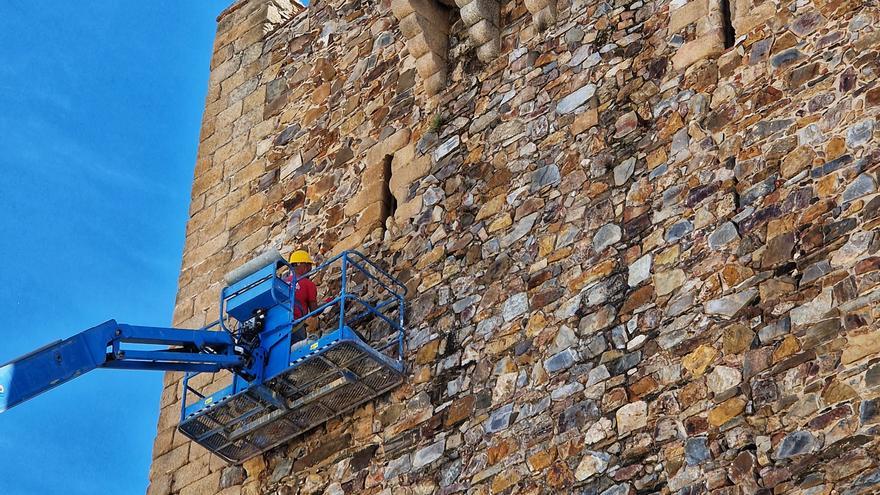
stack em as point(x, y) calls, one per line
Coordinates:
point(727, 23)
point(387, 198)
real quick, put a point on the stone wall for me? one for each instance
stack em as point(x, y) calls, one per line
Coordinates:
point(640, 239)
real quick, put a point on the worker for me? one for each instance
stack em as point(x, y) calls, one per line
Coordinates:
point(305, 294)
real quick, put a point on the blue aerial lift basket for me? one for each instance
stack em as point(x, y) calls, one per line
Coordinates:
point(281, 386)
point(358, 358)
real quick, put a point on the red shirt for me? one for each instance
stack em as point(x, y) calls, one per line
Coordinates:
point(306, 292)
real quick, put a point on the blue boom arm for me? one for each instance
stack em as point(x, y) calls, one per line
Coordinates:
point(102, 347)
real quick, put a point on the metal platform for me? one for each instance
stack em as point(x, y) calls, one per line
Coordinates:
point(339, 374)
point(298, 386)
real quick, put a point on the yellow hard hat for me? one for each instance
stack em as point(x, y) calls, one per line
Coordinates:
point(300, 256)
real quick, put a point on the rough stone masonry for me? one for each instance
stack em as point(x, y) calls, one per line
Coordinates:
point(641, 238)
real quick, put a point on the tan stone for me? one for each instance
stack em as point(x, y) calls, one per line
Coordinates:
point(540, 460)
point(749, 17)
point(170, 462)
point(687, 14)
point(427, 352)
point(435, 82)
point(408, 210)
point(697, 361)
point(255, 466)
point(432, 257)
point(422, 36)
point(585, 121)
point(430, 63)
point(505, 480)
point(249, 207)
point(860, 346)
point(536, 6)
point(500, 223)
point(787, 347)
point(363, 199)
point(491, 208)
point(599, 271)
point(667, 282)
point(404, 173)
point(736, 339)
point(483, 32)
point(209, 485)
point(726, 411)
point(194, 470)
point(710, 45)
point(351, 241)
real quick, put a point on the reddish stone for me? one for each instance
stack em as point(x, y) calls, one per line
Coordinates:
point(638, 298)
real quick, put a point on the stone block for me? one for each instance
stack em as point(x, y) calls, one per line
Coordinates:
point(397, 141)
point(435, 82)
point(376, 155)
point(250, 206)
point(160, 485)
point(489, 50)
point(688, 13)
point(374, 177)
point(209, 485)
point(200, 253)
point(430, 63)
point(255, 466)
point(403, 8)
point(404, 175)
point(483, 32)
point(408, 210)
point(478, 10)
point(170, 462)
point(364, 198)
point(748, 17)
point(535, 6)
point(373, 215)
point(352, 241)
point(206, 180)
point(710, 45)
point(425, 41)
point(194, 470)
point(164, 438)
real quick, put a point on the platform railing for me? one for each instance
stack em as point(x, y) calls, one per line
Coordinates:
point(366, 294)
point(389, 294)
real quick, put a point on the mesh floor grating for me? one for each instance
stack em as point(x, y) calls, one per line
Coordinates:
point(327, 384)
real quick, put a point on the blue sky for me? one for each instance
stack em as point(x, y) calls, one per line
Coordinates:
point(100, 108)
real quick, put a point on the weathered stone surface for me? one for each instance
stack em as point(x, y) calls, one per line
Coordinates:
point(666, 282)
point(726, 411)
point(560, 361)
point(732, 304)
point(632, 417)
point(592, 464)
point(606, 236)
point(723, 235)
point(679, 230)
point(639, 271)
point(577, 98)
point(637, 261)
point(624, 171)
point(797, 443)
point(428, 454)
point(697, 361)
point(723, 378)
point(860, 133)
point(696, 451)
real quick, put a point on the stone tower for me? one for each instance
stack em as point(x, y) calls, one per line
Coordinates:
point(640, 238)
